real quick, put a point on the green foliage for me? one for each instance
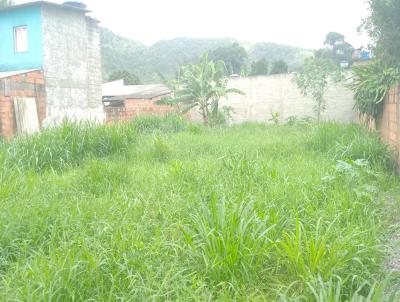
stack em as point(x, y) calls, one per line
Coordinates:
point(234, 56)
point(166, 57)
point(279, 67)
point(227, 241)
point(129, 78)
point(314, 79)
point(371, 84)
point(161, 151)
point(154, 124)
point(69, 145)
point(349, 143)
point(275, 118)
point(187, 213)
point(383, 26)
point(201, 85)
point(337, 49)
point(333, 291)
point(333, 38)
point(259, 67)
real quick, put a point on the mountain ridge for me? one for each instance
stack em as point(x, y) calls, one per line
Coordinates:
point(165, 56)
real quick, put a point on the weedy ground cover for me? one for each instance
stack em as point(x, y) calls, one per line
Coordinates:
point(164, 210)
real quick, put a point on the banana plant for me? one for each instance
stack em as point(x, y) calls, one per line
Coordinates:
point(200, 86)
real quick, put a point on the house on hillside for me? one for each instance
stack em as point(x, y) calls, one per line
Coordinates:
point(123, 103)
point(50, 66)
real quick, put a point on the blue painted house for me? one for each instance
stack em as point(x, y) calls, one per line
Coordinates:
point(21, 26)
point(62, 42)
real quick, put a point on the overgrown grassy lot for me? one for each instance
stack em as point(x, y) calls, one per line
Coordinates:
point(163, 210)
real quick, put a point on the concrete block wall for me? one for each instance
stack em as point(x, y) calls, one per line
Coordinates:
point(265, 95)
point(72, 65)
point(134, 107)
point(389, 124)
point(23, 85)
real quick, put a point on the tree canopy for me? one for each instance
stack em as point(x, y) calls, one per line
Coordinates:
point(383, 26)
point(259, 67)
point(279, 67)
point(128, 77)
point(337, 49)
point(333, 38)
point(234, 56)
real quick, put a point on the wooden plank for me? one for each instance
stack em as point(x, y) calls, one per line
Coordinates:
point(26, 115)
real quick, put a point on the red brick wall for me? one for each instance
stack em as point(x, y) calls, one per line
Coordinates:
point(389, 125)
point(134, 107)
point(23, 85)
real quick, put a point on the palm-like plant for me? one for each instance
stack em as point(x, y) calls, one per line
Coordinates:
point(200, 85)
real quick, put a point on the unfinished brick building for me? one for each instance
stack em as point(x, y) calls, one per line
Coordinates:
point(50, 66)
point(123, 103)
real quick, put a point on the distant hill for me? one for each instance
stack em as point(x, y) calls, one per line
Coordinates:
point(120, 53)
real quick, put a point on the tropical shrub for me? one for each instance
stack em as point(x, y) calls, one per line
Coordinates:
point(201, 86)
point(371, 84)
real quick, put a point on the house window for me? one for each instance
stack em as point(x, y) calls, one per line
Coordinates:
point(21, 38)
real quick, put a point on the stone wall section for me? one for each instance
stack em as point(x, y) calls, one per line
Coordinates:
point(264, 95)
point(72, 65)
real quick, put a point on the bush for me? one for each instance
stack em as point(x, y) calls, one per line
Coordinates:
point(350, 142)
point(227, 240)
point(170, 123)
point(67, 145)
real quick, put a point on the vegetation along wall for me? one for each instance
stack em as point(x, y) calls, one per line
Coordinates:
point(267, 95)
point(389, 124)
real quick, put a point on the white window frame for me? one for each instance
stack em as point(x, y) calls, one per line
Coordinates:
point(25, 46)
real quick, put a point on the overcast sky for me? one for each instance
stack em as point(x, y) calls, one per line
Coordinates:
point(301, 23)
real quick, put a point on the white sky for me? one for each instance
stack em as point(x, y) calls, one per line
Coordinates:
point(301, 23)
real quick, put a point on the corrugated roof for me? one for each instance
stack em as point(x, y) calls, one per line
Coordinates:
point(116, 90)
point(7, 74)
point(44, 3)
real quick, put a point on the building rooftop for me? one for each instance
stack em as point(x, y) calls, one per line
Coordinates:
point(47, 3)
point(7, 74)
point(116, 90)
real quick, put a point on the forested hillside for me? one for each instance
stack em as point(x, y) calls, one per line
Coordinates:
point(166, 56)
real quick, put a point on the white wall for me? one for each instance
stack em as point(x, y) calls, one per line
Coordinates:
point(267, 94)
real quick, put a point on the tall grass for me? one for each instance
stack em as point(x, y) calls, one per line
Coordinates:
point(163, 210)
point(227, 241)
point(349, 142)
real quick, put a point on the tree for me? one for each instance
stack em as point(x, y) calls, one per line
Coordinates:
point(279, 67)
point(337, 49)
point(6, 3)
point(234, 57)
point(129, 78)
point(333, 38)
point(314, 79)
point(201, 85)
point(259, 67)
point(383, 26)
